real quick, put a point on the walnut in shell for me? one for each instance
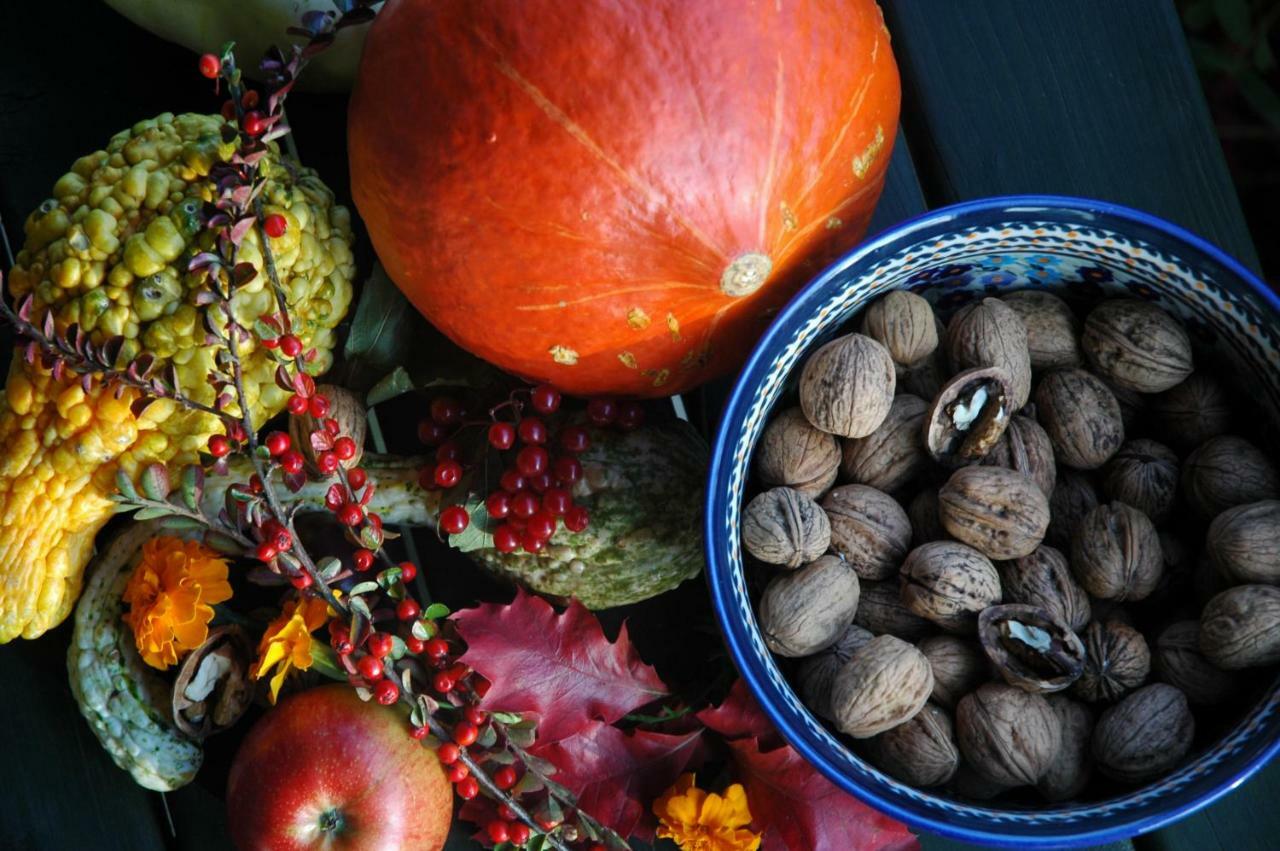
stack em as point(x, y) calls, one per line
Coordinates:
point(958, 665)
point(926, 524)
point(1143, 474)
point(784, 527)
point(1179, 662)
point(1117, 660)
point(1008, 735)
point(345, 407)
point(868, 528)
point(903, 323)
point(968, 416)
point(1116, 553)
point(1074, 496)
point(881, 611)
point(1030, 648)
point(998, 512)
point(1072, 767)
point(818, 672)
point(213, 689)
point(1081, 416)
point(1227, 471)
point(1191, 412)
point(949, 583)
point(1240, 628)
point(847, 386)
point(794, 453)
point(1052, 329)
point(1244, 542)
point(1145, 735)
point(1043, 578)
point(925, 378)
point(885, 684)
point(921, 751)
point(893, 455)
point(989, 333)
point(1026, 447)
point(1136, 345)
point(804, 611)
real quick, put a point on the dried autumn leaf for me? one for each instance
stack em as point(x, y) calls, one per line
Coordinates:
point(739, 716)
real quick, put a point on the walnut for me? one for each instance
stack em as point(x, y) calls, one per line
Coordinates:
point(958, 665)
point(904, 323)
point(1133, 407)
point(847, 386)
point(1227, 471)
point(1008, 735)
point(784, 527)
point(1193, 411)
point(1143, 474)
point(213, 688)
point(1136, 345)
point(348, 409)
point(1073, 497)
point(1071, 768)
point(998, 512)
point(926, 524)
point(885, 684)
point(949, 583)
point(989, 333)
point(880, 610)
point(1052, 329)
point(893, 455)
point(926, 378)
point(921, 751)
point(1145, 735)
point(868, 528)
point(816, 673)
point(794, 453)
point(804, 611)
point(1179, 662)
point(1043, 578)
point(1116, 553)
point(968, 783)
point(968, 416)
point(1030, 648)
point(1026, 447)
point(1081, 417)
point(1244, 542)
point(1117, 661)
point(1240, 628)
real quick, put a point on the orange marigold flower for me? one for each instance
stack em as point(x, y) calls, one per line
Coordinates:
point(697, 820)
point(287, 642)
point(171, 594)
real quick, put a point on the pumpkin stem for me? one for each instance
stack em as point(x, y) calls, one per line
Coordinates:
point(746, 274)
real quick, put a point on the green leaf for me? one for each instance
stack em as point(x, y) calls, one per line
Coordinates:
point(192, 486)
point(507, 718)
point(406, 680)
point(479, 532)
point(382, 330)
point(325, 661)
point(362, 588)
point(529, 783)
point(1210, 59)
point(1235, 18)
point(125, 485)
point(488, 737)
point(537, 843)
point(154, 481)
point(360, 607)
point(223, 543)
point(152, 513)
point(388, 578)
point(422, 630)
point(393, 384)
point(435, 611)
point(398, 648)
point(181, 524)
point(1260, 96)
point(328, 567)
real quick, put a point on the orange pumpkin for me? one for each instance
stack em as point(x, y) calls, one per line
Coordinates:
point(615, 197)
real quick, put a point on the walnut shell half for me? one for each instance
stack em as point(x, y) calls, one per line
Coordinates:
point(968, 416)
point(213, 690)
point(1030, 648)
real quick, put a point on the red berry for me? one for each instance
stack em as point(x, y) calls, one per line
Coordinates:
point(301, 581)
point(505, 777)
point(446, 410)
point(449, 451)
point(457, 772)
point(519, 833)
point(254, 124)
point(443, 683)
point(291, 461)
point(327, 462)
point(506, 539)
point(283, 540)
point(356, 477)
point(498, 504)
point(249, 99)
point(407, 609)
point(475, 715)
point(497, 831)
point(502, 435)
point(532, 430)
point(533, 543)
point(332, 426)
point(468, 788)
point(415, 645)
point(255, 484)
point(369, 667)
point(236, 432)
point(447, 753)
point(380, 644)
point(448, 473)
point(275, 225)
point(465, 733)
point(557, 501)
point(351, 515)
point(387, 692)
point(512, 481)
point(210, 66)
point(418, 733)
point(219, 446)
point(340, 639)
point(229, 112)
point(277, 442)
point(531, 460)
point(577, 519)
point(524, 504)
point(290, 346)
point(297, 405)
point(431, 433)
point(541, 482)
point(320, 407)
point(541, 524)
point(630, 416)
point(545, 398)
point(437, 648)
point(335, 497)
point(363, 560)
point(506, 812)
point(267, 551)
point(345, 448)
point(408, 570)
point(454, 519)
point(602, 412)
point(567, 470)
point(575, 439)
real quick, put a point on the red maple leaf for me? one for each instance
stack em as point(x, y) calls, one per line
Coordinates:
point(559, 667)
point(739, 716)
point(615, 776)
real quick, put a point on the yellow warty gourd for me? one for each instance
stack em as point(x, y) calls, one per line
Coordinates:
point(109, 253)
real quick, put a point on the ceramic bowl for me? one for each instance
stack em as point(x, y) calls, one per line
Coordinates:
point(1072, 246)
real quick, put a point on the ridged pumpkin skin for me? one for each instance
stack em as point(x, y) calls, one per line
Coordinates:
point(616, 197)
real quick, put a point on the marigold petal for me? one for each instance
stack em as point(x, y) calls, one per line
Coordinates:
point(739, 810)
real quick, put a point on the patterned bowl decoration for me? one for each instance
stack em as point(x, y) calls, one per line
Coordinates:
point(1081, 250)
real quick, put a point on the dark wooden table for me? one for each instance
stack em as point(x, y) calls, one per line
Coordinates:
point(1083, 97)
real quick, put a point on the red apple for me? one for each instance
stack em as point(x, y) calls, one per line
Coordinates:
point(325, 770)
